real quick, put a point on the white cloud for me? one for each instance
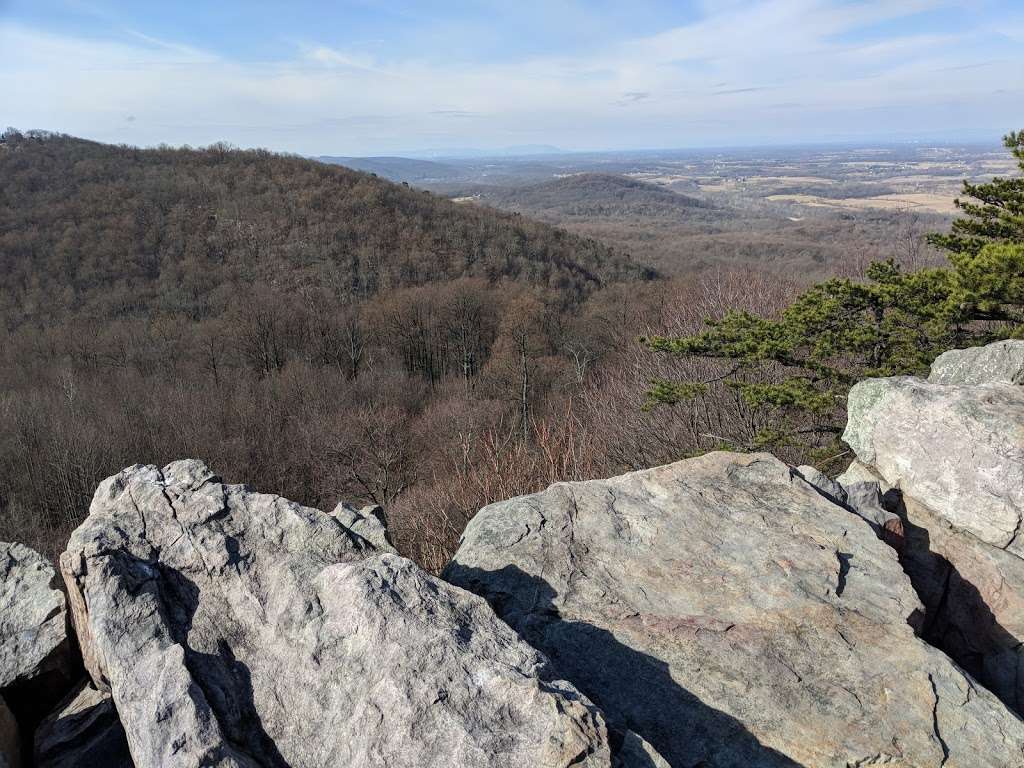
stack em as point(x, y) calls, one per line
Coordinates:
point(720, 79)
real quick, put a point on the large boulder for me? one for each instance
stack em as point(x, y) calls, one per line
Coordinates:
point(233, 628)
point(957, 449)
point(39, 664)
point(998, 363)
point(728, 613)
point(83, 731)
point(950, 453)
point(974, 599)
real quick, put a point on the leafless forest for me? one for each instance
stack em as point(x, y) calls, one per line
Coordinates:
point(327, 335)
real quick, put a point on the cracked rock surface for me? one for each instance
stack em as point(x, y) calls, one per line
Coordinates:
point(729, 614)
point(950, 451)
point(974, 598)
point(956, 448)
point(998, 363)
point(233, 628)
point(862, 497)
point(38, 661)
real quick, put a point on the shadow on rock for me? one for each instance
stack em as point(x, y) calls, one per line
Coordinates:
point(635, 690)
point(958, 620)
point(225, 681)
point(84, 731)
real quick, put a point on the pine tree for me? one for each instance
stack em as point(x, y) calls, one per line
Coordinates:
point(797, 368)
point(994, 213)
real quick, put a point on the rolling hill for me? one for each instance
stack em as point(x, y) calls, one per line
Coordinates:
point(595, 194)
point(102, 231)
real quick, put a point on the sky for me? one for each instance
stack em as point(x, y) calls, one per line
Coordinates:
point(376, 77)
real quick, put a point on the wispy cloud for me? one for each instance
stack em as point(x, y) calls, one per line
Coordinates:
point(741, 72)
point(632, 97)
point(976, 65)
point(329, 57)
point(454, 113)
point(732, 91)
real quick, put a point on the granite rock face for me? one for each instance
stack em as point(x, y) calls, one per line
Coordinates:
point(634, 752)
point(863, 497)
point(368, 523)
point(974, 599)
point(958, 449)
point(950, 453)
point(727, 612)
point(233, 628)
point(449, 682)
point(998, 363)
point(83, 731)
point(38, 661)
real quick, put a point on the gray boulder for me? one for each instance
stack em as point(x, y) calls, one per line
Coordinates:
point(83, 731)
point(38, 661)
point(998, 363)
point(974, 599)
point(863, 498)
point(729, 614)
point(958, 449)
point(233, 628)
point(859, 472)
point(453, 684)
point(368, 522)
point(831, 489)
point(950, 452)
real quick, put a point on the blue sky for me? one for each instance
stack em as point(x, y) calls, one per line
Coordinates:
point(375, 77)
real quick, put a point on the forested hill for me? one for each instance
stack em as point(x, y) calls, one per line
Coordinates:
point(97, 231)
point(600, 194)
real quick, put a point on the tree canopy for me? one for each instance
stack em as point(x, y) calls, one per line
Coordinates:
point(798, 366)
point(994, 211)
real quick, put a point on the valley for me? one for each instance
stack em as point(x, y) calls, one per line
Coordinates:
point(813, 211)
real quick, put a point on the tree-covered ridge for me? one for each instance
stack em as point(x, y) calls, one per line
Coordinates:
point(795, 368)
point(601, 194)
point(307, 328)
point(110, 232)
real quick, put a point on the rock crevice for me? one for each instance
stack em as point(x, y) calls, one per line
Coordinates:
point(233, 628)
point(744, 619)
point(949, 454)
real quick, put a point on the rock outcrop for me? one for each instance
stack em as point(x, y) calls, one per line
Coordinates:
point(861, 496)
point(38, 660)
point(727, 612)
point(722, 611)
point(233, 628)
point(950, 454)
point(998, 363)
point(634, 752)
point(958, 449)
point(368, 522)
point(83, 731)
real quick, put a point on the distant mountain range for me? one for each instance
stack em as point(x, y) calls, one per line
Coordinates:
point(398, 168)
point(429, 165)
point(476, 153)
